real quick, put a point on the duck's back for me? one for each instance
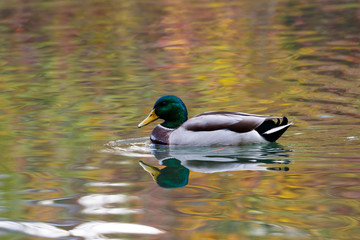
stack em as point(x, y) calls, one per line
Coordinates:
point(219, 128)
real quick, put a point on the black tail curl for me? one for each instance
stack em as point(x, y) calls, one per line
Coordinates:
point(270, 124)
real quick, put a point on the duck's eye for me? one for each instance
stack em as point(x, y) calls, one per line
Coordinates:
point(163, 103)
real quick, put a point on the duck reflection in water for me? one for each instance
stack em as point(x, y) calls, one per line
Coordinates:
point(173, 175)
point(178, 161)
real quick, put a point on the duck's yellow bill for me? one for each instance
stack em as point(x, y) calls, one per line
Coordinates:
point(152, 117)
point(154, 171)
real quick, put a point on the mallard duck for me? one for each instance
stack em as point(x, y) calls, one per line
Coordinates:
point(210, 128)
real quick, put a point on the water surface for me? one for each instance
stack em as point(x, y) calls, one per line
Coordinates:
point(77, 77)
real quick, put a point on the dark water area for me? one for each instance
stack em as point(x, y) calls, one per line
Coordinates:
point(77, 77)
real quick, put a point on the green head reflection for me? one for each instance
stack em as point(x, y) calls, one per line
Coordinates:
point(173, 175)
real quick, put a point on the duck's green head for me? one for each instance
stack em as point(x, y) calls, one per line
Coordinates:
point(169, 108)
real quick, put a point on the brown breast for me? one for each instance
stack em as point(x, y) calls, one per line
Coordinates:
point(160, 135)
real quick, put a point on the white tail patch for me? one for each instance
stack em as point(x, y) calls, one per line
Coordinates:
point(276, 129)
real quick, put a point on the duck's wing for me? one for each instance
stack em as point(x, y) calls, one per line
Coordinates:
point(234, 121)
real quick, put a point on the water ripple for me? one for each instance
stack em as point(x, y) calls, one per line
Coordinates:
point(88, 231)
